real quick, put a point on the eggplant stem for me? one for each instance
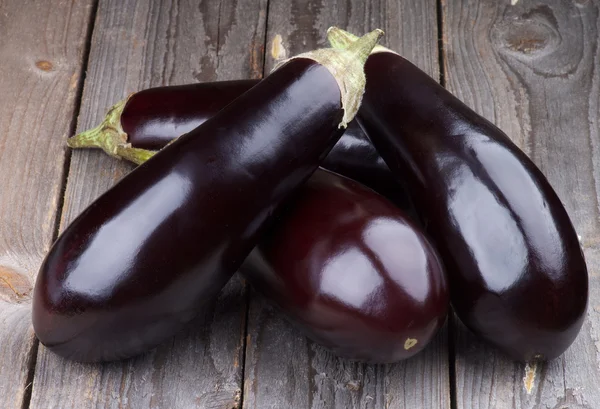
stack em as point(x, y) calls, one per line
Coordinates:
point(135, 155)
point(342, 39)
point(108, 136)
point(529, 378)
point(347, 67)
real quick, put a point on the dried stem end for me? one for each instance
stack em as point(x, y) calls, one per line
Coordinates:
point(347, 67)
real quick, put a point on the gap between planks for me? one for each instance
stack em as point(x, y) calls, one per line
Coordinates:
point(63, 186)
point(248, 293)
point(451, 318)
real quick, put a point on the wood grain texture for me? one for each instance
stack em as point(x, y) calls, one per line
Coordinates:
point(301, 25)
point(532, 68)
point(41, 55)
point(136, 45)
point(283, 369)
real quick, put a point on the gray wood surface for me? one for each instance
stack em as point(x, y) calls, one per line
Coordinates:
point(135, 45)
point(532, 68)
point(283, 369)
point(41, 56)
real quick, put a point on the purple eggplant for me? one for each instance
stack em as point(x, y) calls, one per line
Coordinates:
point(390, 296)
point(149, 119)
point(141, 261)
point(351, 271)
point(517, 274)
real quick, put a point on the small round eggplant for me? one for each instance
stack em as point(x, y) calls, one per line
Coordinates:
point(148, 120)
point(517, 274)
point(352, 271)
point(141, 261)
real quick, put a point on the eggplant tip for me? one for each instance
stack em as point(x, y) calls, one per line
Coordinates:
point(529, 378)
point(409, 343)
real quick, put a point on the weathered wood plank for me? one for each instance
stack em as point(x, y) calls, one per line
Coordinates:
point(41, 56)
point(283, 369)
point(532, 68)
point(135, 45)
point(410, 27)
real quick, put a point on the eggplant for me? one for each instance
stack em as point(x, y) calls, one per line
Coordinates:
point(152, 117)
point(517, 274)
point(148, 120)
point(351, 271)
point(141, 261)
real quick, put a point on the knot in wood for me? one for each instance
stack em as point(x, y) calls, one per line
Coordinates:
point(14, 286)
point(44, 65)
point(532, 34)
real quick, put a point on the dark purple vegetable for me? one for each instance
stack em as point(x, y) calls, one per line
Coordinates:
point(138, 264)
point(517, 274)
point(351, 270)
point(154, 117)
point(151, 118)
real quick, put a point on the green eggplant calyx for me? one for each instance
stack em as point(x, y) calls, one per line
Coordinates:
point(135, 155)
point(108, 136)
point(347, 67)
point(342, 39)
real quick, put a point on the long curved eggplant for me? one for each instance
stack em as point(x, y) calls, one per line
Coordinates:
point(149, 119)
point(139, 262)
point(351, 271)
point(517, 273)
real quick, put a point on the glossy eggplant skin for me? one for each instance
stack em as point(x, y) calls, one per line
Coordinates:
point(351, 271)
point(142, 260)
point(517, 274)
point(155, 116)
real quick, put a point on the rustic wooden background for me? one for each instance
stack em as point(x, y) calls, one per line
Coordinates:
point(532, 67)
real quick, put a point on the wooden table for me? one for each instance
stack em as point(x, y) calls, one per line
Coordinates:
point(530, 67)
